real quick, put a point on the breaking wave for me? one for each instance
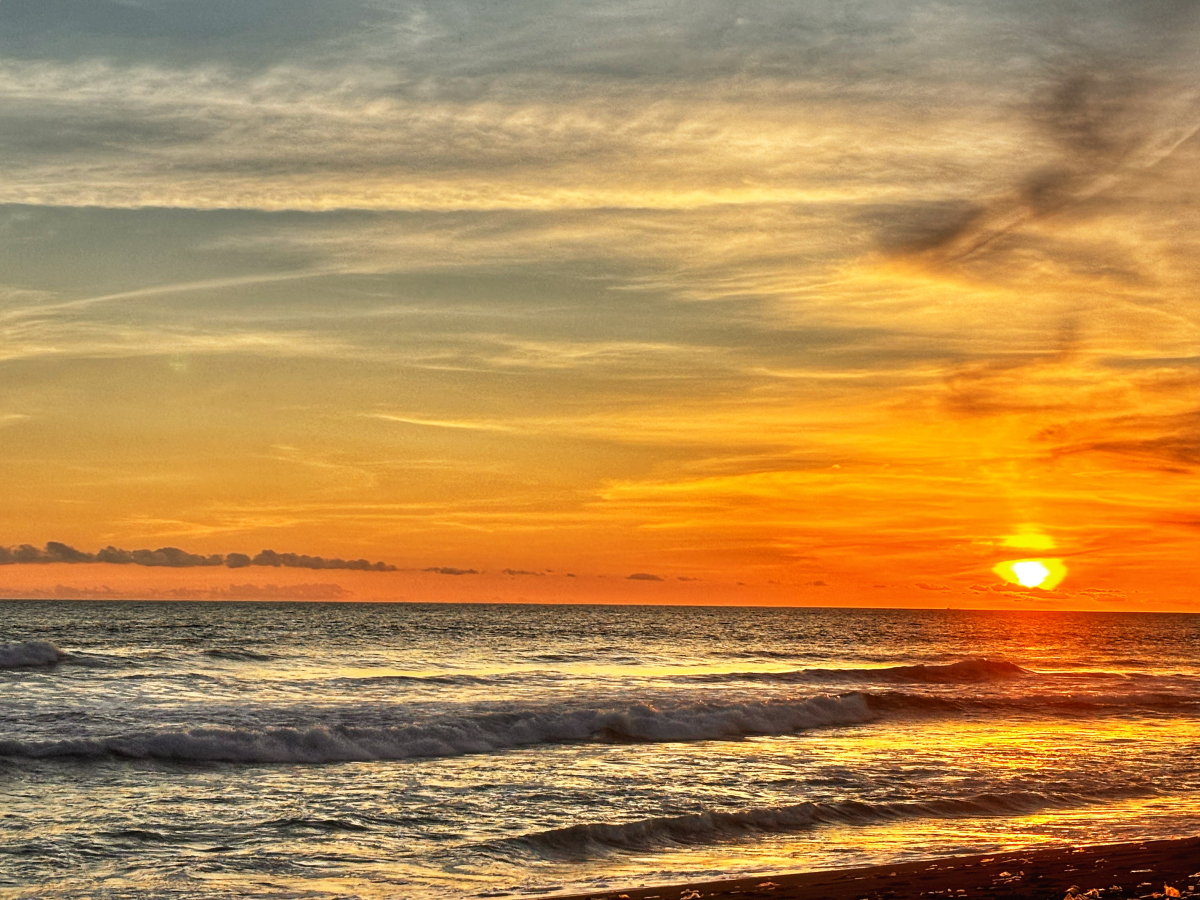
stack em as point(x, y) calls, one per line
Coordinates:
point(492, 732)
point(29, 653)
point(462, 735)
point(598, 839)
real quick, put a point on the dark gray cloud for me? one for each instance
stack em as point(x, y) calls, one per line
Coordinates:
point(173, 557)
point(643, 576)
point(299, 561)
point(450, 570)
point(520, 572)
point(170, 557)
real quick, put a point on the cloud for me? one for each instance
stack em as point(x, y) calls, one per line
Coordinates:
point(925, 586)
point(643, 576)
point(71, 592)
point(600, 104)
point(173, 557)
point(1168, 443)
point(519, 572)
point(450, 570)
point(297, 561)
point(1022, 591)
point(60, 552)
point(1182, 450)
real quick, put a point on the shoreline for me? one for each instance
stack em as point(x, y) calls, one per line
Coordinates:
point(1124, 870)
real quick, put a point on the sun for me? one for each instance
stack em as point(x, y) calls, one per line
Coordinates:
point(1045, 574)
point(1030, 573)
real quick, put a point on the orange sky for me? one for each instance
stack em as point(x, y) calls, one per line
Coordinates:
point(776, 305)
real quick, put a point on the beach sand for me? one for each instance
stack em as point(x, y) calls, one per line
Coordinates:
point(1141, 869)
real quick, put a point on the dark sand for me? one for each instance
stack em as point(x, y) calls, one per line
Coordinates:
point(1140, 869)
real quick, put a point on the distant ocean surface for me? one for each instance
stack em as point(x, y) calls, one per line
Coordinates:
point(183, 750)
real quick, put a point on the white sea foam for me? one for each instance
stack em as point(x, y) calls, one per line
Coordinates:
point(29, 653)
point(455, 736)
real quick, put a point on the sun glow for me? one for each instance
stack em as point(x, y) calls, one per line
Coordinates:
point(1033, 573)
point(1030, 537)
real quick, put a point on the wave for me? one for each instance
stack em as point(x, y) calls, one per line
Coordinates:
point(488, 733)
point(598, 839)
point(29, 653)
point(237, 655)
point(300, 823)
point(454, 680)
point(967, 671)
point(1040, 703)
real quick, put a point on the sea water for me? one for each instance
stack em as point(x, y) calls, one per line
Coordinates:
point(184, 750)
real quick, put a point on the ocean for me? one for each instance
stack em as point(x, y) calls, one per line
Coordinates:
point(182, 750)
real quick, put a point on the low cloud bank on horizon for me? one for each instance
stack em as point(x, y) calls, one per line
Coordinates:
point(173, 557)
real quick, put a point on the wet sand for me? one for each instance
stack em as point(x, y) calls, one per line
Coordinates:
point(1141, 869)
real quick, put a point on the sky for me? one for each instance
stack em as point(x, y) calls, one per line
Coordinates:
point(751, 301)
